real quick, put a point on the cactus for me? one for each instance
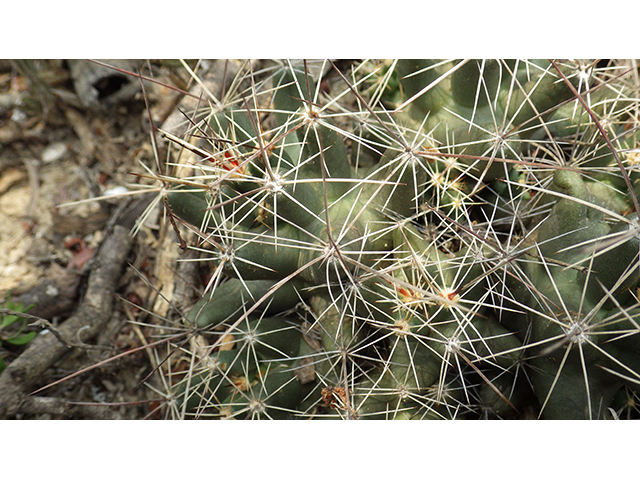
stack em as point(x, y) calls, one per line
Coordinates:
point(426, 239)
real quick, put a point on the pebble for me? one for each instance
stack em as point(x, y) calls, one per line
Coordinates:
point(53, 152)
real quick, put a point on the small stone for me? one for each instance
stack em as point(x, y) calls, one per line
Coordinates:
point(54, 152)
point(115, 191)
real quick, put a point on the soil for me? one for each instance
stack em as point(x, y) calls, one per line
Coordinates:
point(70, 132)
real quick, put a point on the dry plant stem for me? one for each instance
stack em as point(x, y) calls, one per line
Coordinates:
point(26, 371)
point(55, 406)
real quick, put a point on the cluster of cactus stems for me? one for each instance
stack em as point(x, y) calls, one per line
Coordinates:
point(416, 239)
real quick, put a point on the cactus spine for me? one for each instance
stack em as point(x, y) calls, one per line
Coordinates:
point(427, 239)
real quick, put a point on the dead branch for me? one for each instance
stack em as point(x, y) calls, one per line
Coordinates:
point(26, 372)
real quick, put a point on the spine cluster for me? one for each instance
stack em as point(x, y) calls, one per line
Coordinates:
point(417, 239)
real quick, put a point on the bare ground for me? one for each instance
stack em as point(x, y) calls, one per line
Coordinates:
point(71, 131)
